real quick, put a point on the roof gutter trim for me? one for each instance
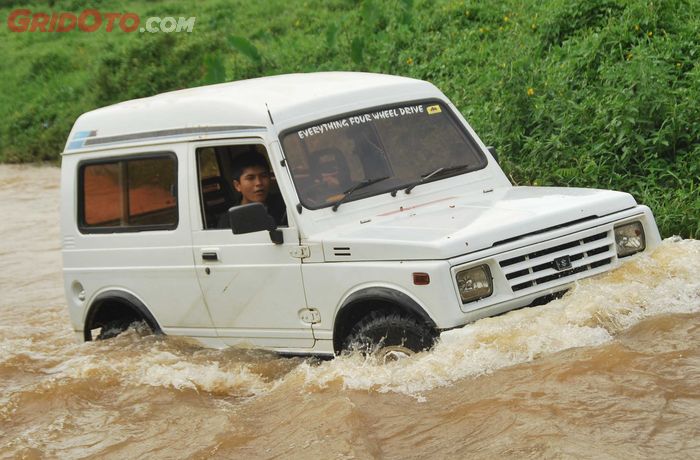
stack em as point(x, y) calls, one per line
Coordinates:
point(80, 140)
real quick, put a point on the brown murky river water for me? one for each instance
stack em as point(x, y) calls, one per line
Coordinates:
point(612, 370)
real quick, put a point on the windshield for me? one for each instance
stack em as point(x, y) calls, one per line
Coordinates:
point(404, 145)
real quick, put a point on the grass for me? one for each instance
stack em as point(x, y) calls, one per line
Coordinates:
point(593, 93)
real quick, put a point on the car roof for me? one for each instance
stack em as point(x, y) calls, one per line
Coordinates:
point(282, 100)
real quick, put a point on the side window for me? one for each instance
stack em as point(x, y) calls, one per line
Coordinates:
point(215, 195)
point(231, 175)
point(207, 163)
point(128, 194)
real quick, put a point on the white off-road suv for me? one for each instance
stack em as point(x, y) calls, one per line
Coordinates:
point(399, 221)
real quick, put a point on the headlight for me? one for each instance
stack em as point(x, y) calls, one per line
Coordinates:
point(629, 239)
point(474, 283)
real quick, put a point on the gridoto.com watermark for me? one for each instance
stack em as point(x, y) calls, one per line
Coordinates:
point(91, 20)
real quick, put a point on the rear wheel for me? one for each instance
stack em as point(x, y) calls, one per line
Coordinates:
point(389, 336)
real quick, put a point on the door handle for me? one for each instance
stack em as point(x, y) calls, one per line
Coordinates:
point(210, 255)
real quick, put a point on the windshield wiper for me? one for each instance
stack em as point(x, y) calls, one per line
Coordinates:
point(438, 172)
point(354, 188)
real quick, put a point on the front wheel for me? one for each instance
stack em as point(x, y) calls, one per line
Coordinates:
point(389, 336)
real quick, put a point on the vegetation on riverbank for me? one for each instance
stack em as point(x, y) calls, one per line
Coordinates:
point(592, 93)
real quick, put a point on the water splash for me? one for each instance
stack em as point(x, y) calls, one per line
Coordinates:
point(591, 314)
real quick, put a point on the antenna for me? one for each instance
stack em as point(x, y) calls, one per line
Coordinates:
point(269, 114)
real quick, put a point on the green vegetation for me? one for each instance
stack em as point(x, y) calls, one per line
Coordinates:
point(592, 93)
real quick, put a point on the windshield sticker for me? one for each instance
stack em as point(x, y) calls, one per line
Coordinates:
point(365, 118)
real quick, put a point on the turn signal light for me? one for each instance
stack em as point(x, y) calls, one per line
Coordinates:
point(421, 279)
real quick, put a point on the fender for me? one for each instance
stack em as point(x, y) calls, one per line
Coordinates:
point(124, 298)
point(374, 294)
point(387, 295)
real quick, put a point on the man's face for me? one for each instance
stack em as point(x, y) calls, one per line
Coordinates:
point(254, 184)
point(329, 171)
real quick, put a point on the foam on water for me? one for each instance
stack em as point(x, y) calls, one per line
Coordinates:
point(591, 314)
point(131, 359)
point(162, 364)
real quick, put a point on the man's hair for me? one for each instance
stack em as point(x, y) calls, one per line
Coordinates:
point(247, 160)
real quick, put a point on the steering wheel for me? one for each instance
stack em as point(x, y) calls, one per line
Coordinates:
point(321, 193)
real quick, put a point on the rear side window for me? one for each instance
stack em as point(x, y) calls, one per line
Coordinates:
point(128, 194)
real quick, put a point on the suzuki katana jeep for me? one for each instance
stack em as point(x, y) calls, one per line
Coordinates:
point(397, 222)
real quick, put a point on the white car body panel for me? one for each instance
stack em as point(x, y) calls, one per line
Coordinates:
point(156, 267)
point(287, 297)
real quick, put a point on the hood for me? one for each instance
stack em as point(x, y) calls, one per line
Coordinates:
point(451, 226)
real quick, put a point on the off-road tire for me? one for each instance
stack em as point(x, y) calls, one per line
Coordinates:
point(114, 328)
point(382, 333)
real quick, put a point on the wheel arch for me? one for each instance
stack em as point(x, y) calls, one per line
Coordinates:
point(115, 304)
point(364, 301)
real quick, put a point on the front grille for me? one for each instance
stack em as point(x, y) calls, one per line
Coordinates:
point(574, 255)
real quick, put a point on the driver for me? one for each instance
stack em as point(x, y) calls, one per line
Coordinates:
point(330, 179)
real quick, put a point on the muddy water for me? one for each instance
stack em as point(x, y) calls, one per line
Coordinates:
point(612, 370)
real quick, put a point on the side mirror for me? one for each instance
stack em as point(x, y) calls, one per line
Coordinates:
point(492, 151)
point(253, 217)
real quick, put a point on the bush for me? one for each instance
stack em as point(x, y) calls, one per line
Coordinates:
point(595, 93)
point(150, 65)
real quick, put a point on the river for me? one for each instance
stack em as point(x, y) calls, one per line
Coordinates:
point(611, 370)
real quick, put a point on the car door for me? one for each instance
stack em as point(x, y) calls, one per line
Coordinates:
point(252, 287)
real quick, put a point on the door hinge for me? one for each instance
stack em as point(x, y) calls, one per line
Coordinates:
point(300, 252)
point(310, 316)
